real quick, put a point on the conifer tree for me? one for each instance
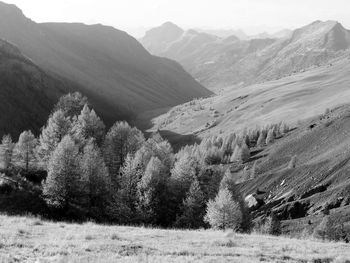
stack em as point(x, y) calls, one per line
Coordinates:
point(7, 147)
point(94, 174)
point(262, 139)
point(184, 173)
point(88, 125)
point(213, 156)
point(284, 128)
point(241, 154)
point(270, 138)
point(58, 126)
point(63, 186)
point(71, 104)
point(229, 182)
point(152, 192)
point(253, 171)
point(120, 141)
point(245, 153)
point(223, 212)
point(193, 209)
point(161, 149)
point(227, 144)
point(25, 148)
point(131, 174)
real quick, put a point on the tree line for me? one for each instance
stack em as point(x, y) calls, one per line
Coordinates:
point(119, 176)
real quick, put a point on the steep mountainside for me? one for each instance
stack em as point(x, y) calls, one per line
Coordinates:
point(27, 93)
point(117, 74)
point(220, 63)
point(320, 180)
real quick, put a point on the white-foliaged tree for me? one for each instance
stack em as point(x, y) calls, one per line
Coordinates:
point(88, 125)
point(58, 126)
point(63, 185)
point(25, 148)
point(224, 212)
point(95, 177)
point(6, 151)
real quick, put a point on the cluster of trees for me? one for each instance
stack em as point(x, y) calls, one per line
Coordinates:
point(120, 176)
point(235, 149)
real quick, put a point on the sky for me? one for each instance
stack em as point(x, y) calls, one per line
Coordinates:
point(134, 16)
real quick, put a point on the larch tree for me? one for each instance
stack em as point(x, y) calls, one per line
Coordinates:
point(223, 212)
point(270, 138)
point(63, 187)
point(241, 153)
point(95, 176)
point(88, 125)
point(253, 172)
point(25, 148)
point(262, 138)
point(193, 208)
point(213, 156)
point(229, 182)
point(120, 141)
point(184, 172)
point(131, 174)
point(152, 192)
point(161, 149)
point(58, 126)
point(6, 151)
point(71, 104)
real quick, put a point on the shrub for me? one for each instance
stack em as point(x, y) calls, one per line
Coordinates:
point(273, 225)
point(270, 225)
point(331, 228)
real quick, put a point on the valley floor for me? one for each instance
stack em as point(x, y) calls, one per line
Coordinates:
point(25, 239)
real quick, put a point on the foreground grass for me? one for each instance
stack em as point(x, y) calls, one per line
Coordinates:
point(32, 240)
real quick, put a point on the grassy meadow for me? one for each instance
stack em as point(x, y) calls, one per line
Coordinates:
point(28, 239)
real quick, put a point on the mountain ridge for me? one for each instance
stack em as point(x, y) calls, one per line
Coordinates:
point(220, 63)
point(112, 68)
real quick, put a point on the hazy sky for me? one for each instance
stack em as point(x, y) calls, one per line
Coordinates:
point(249, 15)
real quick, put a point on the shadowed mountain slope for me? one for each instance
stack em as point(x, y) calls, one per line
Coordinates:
point(117, 74)
point(27, 93)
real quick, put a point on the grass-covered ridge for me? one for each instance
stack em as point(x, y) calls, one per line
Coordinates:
point(27, 239)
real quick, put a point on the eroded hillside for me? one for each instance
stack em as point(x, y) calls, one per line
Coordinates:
point(320, 180)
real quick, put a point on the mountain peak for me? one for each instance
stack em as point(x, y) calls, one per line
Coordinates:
point(170, 24)
point(10, 10)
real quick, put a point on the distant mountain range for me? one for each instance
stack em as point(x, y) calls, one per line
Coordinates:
point(223, 33)
point(112, 68)
point(219, 62)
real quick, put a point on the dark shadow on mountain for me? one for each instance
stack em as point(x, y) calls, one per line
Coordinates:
point(178, 140)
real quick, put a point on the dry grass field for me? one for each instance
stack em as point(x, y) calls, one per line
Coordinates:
point(27, 239)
